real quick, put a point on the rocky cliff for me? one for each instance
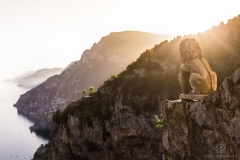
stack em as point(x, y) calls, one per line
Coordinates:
point(207, 129)
point(109, 56)
point(117, 122)
point(109, 126)
point(123, 136)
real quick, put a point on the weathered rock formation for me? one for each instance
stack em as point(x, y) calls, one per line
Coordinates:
point(109, 56)
point(208, 129)
point(118, 121)
point(41, 153)
point(123, 136)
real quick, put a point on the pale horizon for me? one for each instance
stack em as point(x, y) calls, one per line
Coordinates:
point(49, 34)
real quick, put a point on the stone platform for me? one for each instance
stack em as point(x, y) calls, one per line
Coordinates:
point(192, 96)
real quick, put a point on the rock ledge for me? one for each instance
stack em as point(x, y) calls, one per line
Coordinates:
point(207, 129)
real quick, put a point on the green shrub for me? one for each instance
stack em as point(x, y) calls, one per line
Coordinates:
point(114, 76)
point(159, 122)
point(84, 92)
point(92, 90)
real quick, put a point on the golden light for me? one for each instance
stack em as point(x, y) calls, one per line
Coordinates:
point(179, 17)
point(54, 33)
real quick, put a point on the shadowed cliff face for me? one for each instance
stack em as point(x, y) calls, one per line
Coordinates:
point(123, 136)
point(207, 129)
point(110, 56)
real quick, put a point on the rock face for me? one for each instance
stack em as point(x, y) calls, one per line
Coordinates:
point(41, 153)
point(124, 136)
point(109, 56)
point(117, 122)
point(207, 129)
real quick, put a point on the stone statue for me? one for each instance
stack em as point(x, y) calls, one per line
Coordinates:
point(196, 76)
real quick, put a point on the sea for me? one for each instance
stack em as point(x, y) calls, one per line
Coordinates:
point(16, 140)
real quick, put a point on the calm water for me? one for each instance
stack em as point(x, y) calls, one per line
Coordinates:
point(16, 140)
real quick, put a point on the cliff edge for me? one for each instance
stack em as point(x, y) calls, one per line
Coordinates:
point(109, 56)
point(207, 129)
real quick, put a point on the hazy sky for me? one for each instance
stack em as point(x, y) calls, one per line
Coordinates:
point(51, 33)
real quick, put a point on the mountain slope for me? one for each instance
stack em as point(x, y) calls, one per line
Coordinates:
point(109, 56)
point(117, 122)
point(38, 77)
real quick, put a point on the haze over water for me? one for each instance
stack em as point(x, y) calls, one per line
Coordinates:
point(16, 140)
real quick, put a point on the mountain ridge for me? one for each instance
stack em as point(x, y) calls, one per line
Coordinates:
point(118, 121)
point(109, 56)
point(39, 76)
